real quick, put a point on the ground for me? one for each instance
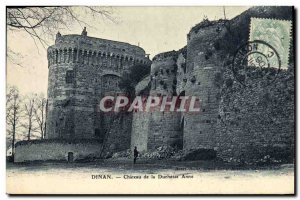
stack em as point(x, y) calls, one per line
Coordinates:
point(165, 177)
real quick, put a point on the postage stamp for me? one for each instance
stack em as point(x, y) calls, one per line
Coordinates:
point(274, 32)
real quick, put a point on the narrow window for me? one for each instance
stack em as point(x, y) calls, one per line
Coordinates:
point(99, 135)
point(70, 76)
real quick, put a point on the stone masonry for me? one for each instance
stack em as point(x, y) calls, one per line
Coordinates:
point(239, 124)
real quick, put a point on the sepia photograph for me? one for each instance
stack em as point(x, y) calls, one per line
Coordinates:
point(150, 100)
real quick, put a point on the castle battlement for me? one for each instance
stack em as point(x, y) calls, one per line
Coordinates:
point(204, 26)
point(164, 55)
point(89, 50)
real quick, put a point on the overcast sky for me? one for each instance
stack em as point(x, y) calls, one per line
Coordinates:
point(155, 29)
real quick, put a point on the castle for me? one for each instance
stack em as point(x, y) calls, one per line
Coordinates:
point(83, 69)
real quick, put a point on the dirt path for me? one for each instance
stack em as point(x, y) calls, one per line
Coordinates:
point(168, 177)
point(158, 177)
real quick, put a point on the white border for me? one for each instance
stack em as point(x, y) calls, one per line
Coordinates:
point(111, 3)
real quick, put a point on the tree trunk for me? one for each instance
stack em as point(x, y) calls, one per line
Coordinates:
point(42, 132)
point(13, 135)
point(29, 132)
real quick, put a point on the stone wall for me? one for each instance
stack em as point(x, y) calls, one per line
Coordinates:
point(165, 130)
point(59, 150)
point(117, 131)
point(257, 124)
point(151, 130)
point(140, 131)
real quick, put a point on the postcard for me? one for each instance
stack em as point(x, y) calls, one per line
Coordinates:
point(150, 100)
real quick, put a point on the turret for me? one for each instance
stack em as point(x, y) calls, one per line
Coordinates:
point(84, 32)
point(204, 74)
point(81, 70)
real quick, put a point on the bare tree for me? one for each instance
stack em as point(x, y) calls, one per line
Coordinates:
point(13, 114)
point(41, 23)
point(29, 107)
point(40, 114)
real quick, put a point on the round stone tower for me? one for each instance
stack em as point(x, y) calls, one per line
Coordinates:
point(204, 77)
point(82, 70)
point(164, 126)
point(163, 73)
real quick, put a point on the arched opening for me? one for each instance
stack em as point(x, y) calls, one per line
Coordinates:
point(70, 157)
point(110, 83)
